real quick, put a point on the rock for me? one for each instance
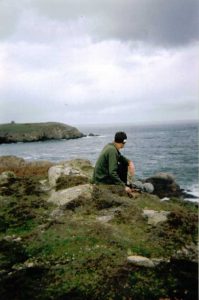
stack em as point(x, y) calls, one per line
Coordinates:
point(6, 177)
point(30, 132)
point(188, 252)
point(104, 219)
point(64, 197)
point(148, 187)
point(45, 187)
point(157, 261)
point(164, 176)
point(12, 238)
point(92, 134)
point(78, 167)
point(140, 261)
point(28, 264)
point(165, 199)
point(155, 217)
point(165, 185)
point(57, 213)
point(144, 187)
point(55, 172)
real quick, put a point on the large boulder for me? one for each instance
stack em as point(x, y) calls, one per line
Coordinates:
point(79, 170)
point(164, 185)
point(65, 198)
point(6, 177)
point(154, 217)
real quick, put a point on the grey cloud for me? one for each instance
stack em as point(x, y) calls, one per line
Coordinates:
point(9, 16)
point(52, 59)
point(162, 22)
point(159, 22)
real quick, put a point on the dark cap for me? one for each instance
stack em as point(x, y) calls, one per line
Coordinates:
point(120, 137)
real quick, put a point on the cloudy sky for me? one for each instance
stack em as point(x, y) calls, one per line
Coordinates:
point(99, 61)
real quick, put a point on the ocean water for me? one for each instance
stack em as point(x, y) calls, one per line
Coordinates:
point(159, 148)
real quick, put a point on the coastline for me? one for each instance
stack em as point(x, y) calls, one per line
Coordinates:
point(28, 167)
point(164, 148)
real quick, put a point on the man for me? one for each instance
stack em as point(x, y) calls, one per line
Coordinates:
point(112, 167)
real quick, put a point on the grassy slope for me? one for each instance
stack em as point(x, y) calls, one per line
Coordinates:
point(78, 257)
point(25, 127)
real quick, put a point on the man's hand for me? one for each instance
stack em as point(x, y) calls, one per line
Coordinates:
point(131, 168)
point(128, 190)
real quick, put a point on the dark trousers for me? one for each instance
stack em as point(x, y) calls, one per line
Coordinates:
point(123, 171)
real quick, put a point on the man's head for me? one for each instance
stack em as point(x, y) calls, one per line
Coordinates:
point(120, 139)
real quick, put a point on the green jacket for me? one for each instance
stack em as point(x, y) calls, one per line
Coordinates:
point(107, 165)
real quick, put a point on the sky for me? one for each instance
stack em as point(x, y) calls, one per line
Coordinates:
point(99, 61)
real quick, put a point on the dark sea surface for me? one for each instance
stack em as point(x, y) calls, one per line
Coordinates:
point(158, 148)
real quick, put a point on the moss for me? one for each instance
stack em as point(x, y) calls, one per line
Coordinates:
point(68, 181)
point(77, 257)
point(12, 252)
point(107, 196)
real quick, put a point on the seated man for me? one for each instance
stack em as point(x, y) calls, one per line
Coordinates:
point(112, 167)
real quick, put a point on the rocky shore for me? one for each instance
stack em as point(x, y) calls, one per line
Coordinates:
point(63, 238)
point(32, 132)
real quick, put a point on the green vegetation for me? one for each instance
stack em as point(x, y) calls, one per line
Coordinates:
point(25, 127)
point(29, 132)
point(76, 256)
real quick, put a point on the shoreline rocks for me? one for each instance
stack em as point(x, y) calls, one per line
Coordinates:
point(165, 186)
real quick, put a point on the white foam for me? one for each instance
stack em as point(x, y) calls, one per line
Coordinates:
point(194, 190)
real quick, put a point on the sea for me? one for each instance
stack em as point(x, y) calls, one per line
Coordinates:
point(171, 148)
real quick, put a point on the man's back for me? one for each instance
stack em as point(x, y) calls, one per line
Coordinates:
point(107, 166)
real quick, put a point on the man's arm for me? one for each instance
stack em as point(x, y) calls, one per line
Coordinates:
point(131, 168)
point(113, 168)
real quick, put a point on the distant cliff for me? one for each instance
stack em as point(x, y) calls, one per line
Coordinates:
point(31, 132)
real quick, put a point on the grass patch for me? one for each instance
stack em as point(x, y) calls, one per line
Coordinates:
point(75, 256)
point(68, 181)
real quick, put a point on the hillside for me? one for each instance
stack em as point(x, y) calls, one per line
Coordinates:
point(64, 238)
point(31, 132)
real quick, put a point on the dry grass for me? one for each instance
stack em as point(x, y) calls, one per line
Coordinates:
point(28, 169)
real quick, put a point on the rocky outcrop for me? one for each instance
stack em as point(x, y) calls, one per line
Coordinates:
point(92, 134)
point(65, 197)
point(165, 185)
point(78, 170)
point(6, 177)
point(31, 132)
point(154, 217)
